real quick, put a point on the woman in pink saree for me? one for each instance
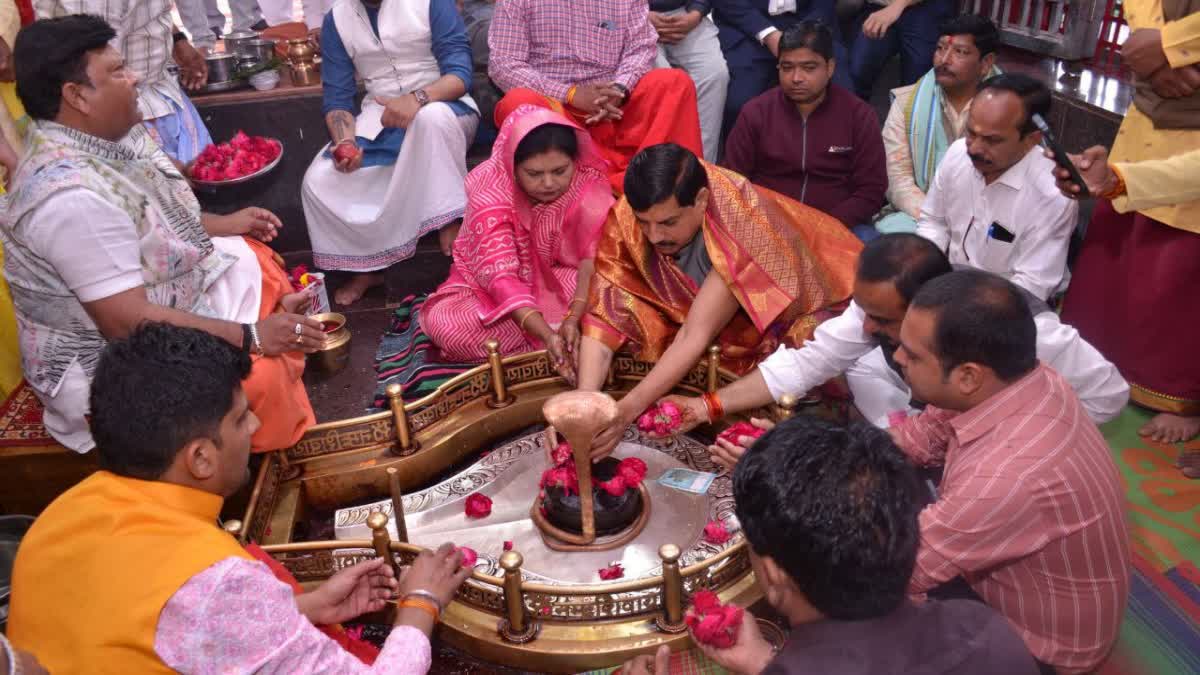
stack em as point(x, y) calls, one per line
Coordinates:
point(523, 258)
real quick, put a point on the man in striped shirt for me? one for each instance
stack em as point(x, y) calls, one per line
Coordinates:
point(1030, 511)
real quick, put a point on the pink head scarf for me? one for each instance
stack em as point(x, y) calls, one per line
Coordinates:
point(566, 230)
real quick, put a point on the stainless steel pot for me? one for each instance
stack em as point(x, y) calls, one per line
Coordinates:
point(235, 41)
point(220, 67)
point(258, 49)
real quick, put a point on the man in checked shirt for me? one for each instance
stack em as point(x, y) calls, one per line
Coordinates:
point(593, 61)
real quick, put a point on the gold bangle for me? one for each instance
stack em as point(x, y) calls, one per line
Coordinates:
point(423, 605)
point(521, 323)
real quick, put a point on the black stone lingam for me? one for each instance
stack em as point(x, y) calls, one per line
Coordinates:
point(613, 514)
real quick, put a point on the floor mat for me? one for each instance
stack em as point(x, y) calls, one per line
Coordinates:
point(407, 356)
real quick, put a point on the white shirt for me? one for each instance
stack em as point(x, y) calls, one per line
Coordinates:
point(960, 209)
point(839, 342)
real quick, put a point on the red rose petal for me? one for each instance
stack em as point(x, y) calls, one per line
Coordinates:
point(705, 601)
point(615, 486)
point(470, 557)
point(715, 532)
point(741, 429)
point(711, 622)
point(508, 546)
point(478, 506)
point(632, 470)
point(561, 454)
point(613, 571)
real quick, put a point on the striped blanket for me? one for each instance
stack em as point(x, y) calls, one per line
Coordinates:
point(407, 356)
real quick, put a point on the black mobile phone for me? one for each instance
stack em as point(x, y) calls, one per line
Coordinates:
point(1060, 155)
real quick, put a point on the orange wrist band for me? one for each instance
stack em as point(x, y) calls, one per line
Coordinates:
point(712, 403)
point(423, 605)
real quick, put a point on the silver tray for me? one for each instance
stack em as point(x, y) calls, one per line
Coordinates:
point(510, 476)
point(249, 177)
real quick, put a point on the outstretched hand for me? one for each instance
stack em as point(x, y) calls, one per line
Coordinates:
point(353, 591)
point(1092, 165)
point(750, 654)
point(727, 454)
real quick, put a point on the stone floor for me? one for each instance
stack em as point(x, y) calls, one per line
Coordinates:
point(348, 393)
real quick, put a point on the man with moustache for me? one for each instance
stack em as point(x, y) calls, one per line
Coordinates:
point(926, 117)
point(810, 139)
point(861, 344)
point(694, 254)
point(993, 204)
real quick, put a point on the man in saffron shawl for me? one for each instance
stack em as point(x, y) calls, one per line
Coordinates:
point(523, 260)
point(695, 254)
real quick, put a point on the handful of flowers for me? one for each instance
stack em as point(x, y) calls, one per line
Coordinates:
point(713, 623)
point(741, 429)
point(661, 419)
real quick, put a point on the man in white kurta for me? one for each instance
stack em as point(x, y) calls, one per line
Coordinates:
point(860, 342)
point(395, 172)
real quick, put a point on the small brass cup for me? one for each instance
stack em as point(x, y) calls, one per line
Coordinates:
point(335, 353)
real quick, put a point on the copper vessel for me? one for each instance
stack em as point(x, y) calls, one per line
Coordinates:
point(301, 57)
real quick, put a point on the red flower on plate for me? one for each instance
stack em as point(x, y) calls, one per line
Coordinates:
point(741, 429)
point(478, 506)
point(715, 532)
point(711, 622)
point(470, 557)
point(562, 477)
point(613, 571)
point(508, 546)
point(632, 470)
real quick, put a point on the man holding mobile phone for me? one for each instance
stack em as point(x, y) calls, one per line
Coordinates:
point(993, 204)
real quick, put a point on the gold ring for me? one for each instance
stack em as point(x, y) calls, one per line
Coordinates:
point(299, 339)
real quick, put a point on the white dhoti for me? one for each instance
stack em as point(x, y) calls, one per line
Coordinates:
point(372, 218)
point(878, 389)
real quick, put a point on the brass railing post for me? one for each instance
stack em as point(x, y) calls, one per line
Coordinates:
point(405, 444)
point(786, 406)
point(516, 627)
point(500, 397)
point(381, 540)
point(714, 367)
point(397, 504)
point(671, 618)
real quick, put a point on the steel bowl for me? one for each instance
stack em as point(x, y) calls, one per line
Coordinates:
point(258, 49)
point(234, 41)
point(221, 67)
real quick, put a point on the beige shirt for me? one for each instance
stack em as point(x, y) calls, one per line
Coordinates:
point(1138, 142)
point(902, 192)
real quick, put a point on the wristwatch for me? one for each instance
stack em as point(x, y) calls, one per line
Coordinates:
point(421, 96)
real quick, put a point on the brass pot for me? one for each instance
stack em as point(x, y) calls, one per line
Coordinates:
point(335, 353)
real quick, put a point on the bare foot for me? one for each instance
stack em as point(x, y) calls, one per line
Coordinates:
point(1168, 428)
point(1189, 463)
point(446, 238)
point(358, 285)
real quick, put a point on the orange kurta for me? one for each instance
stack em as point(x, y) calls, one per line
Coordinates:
point(100, 563)
point(275, 388)
point(786, 264)
point(661, 109)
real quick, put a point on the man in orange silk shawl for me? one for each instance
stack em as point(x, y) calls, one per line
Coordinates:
point(694, 253)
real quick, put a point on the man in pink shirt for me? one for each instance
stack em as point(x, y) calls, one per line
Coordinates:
point(1030, 510)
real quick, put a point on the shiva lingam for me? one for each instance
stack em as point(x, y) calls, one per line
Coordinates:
point(589, 518)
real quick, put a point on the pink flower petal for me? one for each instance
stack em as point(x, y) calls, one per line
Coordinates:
point(470, 557)
point(613, 571)
point(715, 532)
point(478, 506)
